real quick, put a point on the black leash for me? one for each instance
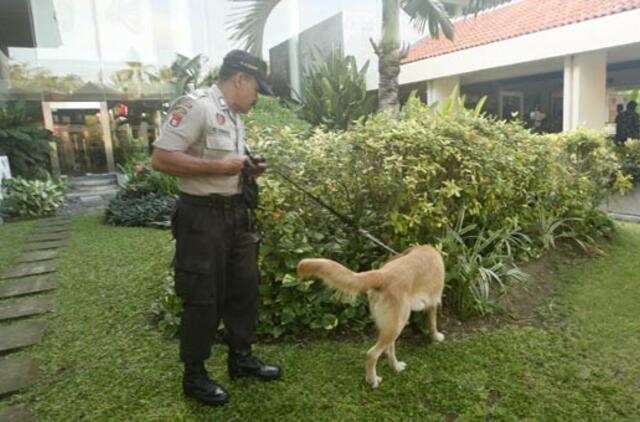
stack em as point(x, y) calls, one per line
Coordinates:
point(349, 222)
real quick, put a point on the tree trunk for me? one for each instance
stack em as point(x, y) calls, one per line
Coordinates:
point(389, 69)
point(389, 56)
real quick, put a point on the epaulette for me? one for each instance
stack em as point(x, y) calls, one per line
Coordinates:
point(198, 93)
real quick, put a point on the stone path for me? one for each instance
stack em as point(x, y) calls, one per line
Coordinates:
point(23, 309)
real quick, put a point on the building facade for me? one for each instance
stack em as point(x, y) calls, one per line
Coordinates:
point(98, 72)
point(574, 60)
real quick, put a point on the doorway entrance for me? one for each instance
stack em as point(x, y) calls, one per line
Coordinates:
point(84, 131)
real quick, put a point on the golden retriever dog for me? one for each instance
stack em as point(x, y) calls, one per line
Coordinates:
point(412, 281)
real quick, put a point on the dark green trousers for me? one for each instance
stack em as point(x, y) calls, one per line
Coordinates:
point(216, 273)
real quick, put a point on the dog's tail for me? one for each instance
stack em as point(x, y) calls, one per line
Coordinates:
point(339, 277)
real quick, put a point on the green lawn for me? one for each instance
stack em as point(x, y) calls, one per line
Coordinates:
point(12, 236)
point(103, 360)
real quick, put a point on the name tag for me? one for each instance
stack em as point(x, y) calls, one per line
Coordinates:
point(218, 131)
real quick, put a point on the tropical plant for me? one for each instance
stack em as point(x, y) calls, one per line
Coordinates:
point(250, 18)
point(479, 266)
point(26, 144)
point(629, 155)
point(134, 76)
point(190, 73)
point(146, 199)
point(23, 75)
point(151, 210)
point(22, 197)
point(334, 91)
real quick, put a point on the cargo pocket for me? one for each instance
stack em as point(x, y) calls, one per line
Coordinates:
point(194, 288)
point(194, 247)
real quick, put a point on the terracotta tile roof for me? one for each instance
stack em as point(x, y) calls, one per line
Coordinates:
point(515, 19)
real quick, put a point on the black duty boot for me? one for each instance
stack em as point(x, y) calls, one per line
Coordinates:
point(197, 384)
point(242, 363)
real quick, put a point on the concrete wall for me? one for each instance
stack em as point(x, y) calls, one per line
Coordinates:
point(324, 37)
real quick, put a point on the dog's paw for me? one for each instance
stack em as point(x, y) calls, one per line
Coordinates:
point(438, 337)
point(400, 366)
point(375, 382)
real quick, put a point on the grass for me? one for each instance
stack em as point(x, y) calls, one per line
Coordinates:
point(103, 360)
point(12, 236)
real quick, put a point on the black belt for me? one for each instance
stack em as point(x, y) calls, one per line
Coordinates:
point(213, 201)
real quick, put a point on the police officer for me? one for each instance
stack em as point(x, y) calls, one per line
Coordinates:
point(215, 263)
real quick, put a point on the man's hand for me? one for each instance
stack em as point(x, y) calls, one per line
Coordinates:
point(233, 164)
point(257, 165)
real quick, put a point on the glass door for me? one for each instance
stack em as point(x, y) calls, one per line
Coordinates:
point(511, 105)
point(83, 128)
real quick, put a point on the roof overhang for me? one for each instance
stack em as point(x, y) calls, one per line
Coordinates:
point(596, 34)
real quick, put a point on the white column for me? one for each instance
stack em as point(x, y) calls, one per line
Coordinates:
point(53, 152)
point(106, 136)
point(439, 89)
point(294, 50)
point(585, 91)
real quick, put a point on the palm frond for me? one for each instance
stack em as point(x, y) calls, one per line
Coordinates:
point(247, 22)
point(429, 13)
point(476, 6)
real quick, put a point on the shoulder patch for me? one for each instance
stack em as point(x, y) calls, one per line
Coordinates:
point(179, 109)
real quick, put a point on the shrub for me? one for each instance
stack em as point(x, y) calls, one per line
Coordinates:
point(629, 156)
point(26, 145)
point(146, 199)
point(143, 180)
point(148, 210)
point(22, 197)
point(487, 193)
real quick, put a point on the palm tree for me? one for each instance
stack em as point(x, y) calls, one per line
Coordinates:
point(250, 17)
point(136, 75)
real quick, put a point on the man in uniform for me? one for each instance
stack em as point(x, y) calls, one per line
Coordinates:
point(216, 270)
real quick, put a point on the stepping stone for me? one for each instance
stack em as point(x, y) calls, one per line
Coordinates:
point(25, 307)
point(28, 269)
point(54, 244)
point(37, 256)
point(44, 237)
point(26, 285)
point(48, 220)
point(53, 229)
point(20, 334)
point(16, 374)
point(17, 413)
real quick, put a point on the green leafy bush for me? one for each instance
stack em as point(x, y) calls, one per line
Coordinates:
point(148, 210)
point(143, 180)
point(22, 197)
point(629, 155)
point(334, 91)
point(487, 193)
point(26, 145)
point(146, 199)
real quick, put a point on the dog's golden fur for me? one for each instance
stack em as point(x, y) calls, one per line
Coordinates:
point(412, 281)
